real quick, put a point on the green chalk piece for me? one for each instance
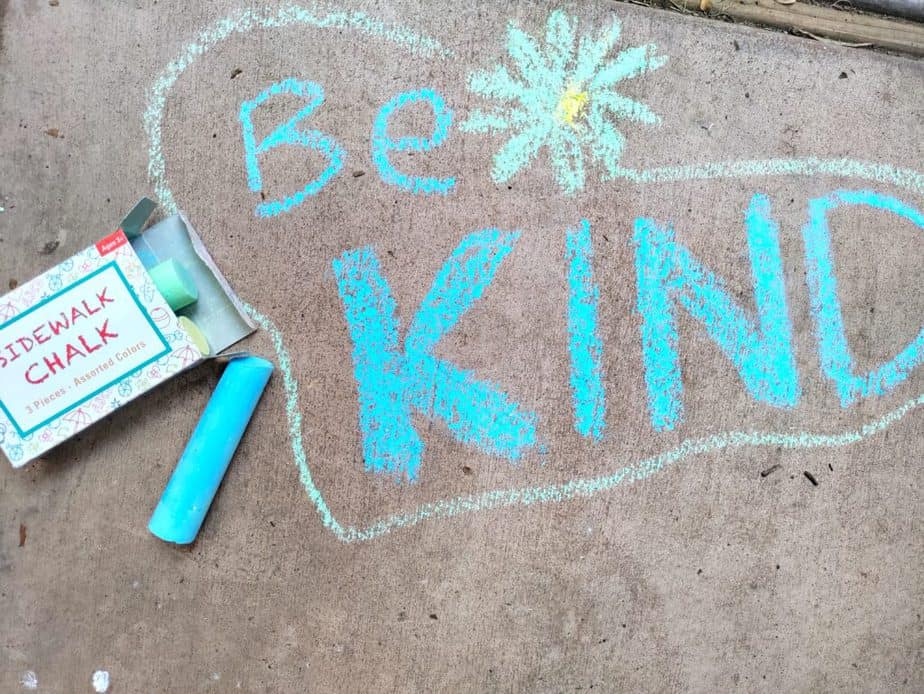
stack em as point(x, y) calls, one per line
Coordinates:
point(174, 284)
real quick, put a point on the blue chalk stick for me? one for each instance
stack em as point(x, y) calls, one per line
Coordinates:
point(190, 491)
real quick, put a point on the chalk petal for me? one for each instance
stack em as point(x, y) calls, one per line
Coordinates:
point(606, 141)
point(530, 62)
point(559, 37)
point(495, 84)
point(484, 122)
point(518, 151)
point(592, 52)
point(624, 107)
point(567, 161)
point(631, 62)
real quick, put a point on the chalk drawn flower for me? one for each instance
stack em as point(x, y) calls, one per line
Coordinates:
point(564, 99)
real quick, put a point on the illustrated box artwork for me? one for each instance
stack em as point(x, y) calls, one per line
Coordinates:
point(94, 332)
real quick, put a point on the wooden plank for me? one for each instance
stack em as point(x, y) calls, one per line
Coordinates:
point(891, 34)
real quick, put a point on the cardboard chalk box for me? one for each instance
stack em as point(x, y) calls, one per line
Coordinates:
point(93, 333)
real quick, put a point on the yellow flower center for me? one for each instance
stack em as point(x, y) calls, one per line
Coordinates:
point(571, 106)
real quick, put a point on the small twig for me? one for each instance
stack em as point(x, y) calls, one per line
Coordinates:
point(831, 42)
point(681, 8)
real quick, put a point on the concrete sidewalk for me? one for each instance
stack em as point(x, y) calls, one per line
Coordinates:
point(507, 478)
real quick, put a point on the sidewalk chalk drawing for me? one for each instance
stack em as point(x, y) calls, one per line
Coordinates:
point(585, 347)
point(396, 376)
point(392, 384)
point(287, 134)
point(564, 100)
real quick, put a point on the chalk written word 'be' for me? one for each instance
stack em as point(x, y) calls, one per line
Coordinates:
point(289, 133)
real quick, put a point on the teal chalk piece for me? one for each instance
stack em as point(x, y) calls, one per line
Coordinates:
point(190, 491)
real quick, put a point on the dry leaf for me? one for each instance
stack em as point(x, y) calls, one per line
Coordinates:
point(54, 132)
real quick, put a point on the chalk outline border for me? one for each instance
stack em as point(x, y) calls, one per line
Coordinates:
point(246, 20)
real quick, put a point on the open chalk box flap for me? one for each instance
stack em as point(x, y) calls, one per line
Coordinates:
point(218, 312)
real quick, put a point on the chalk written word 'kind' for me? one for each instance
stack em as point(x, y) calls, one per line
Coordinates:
point(395, 381)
